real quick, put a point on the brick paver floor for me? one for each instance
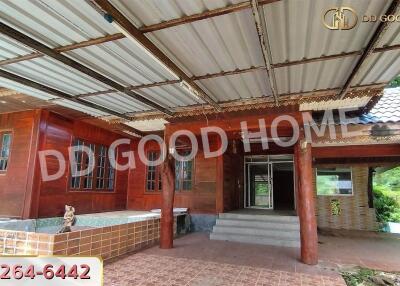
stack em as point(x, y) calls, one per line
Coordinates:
point(148, 270)
point(196, 260)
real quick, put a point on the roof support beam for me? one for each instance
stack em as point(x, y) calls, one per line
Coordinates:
point(169, 82)
point(60, 94)
point(129, 29)
point(265, 48)
point(373, 42)
point(201, 16)
point(67, 48)
point(118, 36)
point(226, 73)
point(32, 43)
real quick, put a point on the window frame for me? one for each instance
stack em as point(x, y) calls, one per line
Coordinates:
point(334, 195)
point(157, 175)
point(2, 133)
point(94, 174)
point(181, 176)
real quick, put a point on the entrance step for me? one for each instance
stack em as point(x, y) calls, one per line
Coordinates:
point(269, 218)
point(258, 229)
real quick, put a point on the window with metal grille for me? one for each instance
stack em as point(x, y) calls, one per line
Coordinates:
point(101, 168)
point(153, 174)
point(5, 144)
point(184, 174)
point(75, 180)
point(102, 178)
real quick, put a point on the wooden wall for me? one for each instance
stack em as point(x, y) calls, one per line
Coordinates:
point(16, 182)
point(233, 177)
point(57, 133)
point(23, 193)
point(201, 199)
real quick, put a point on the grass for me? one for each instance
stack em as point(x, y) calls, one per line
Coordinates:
point(362, 277)
point(355, 278)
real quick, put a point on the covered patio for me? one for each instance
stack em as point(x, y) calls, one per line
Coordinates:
point(196, 260)
point(105, 70)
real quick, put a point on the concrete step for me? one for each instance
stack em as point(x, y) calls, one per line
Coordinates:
point(258, 224)
point(255, 239)
point(272, 233)
point(269, 218)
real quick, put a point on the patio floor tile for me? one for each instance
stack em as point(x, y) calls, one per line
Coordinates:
point(196, 260)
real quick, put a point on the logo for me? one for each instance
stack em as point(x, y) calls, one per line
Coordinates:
point(340, 18)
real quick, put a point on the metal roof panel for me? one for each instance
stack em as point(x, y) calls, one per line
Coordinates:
point(122, 61)
point(55, 23)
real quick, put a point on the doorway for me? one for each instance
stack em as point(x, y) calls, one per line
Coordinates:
point(269, 182)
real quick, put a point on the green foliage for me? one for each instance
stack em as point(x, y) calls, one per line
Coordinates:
point(335, 207)
point(395, 82)
point(387, 195)
point(261, 188)
point(387, 208)
point(327, 184)
point(359, 277)
point(390, 179)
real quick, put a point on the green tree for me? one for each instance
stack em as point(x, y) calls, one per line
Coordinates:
point(395, 82)
point(387, 194)
point(386, 207)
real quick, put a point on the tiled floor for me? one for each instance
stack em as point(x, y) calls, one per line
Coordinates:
point(377, 252)
point(149, 269)
point(196, 260)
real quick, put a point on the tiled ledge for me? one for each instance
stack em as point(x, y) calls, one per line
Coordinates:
point(107, 242)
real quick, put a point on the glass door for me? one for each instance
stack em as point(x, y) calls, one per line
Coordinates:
point(259, 185)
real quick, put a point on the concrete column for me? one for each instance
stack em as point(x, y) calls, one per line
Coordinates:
point(306, 203)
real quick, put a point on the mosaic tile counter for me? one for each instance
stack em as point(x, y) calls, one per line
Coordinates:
point(106, 241)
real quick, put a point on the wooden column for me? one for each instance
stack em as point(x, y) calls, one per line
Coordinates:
point(219, 196)
point(167, 208)
point(306, 203)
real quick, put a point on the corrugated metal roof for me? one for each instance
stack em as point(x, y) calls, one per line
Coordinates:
point(117, 101)
point(80, 107)
point(25, 89)
point(122, 61)
point(55, 74)
point(10, 49)
point(55, 23)
point(296, 32)
point(238, 86)
point(381, 67)
point(314, 76)
point(149, 12)
point(391, 36)
point(170, 95)
point(223, 43)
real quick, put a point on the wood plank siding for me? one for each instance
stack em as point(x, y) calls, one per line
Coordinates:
point(24, 194)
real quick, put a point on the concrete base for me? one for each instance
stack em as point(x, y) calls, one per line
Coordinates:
point(202, 222)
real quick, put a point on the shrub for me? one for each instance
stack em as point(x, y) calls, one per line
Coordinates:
point(387, 208)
